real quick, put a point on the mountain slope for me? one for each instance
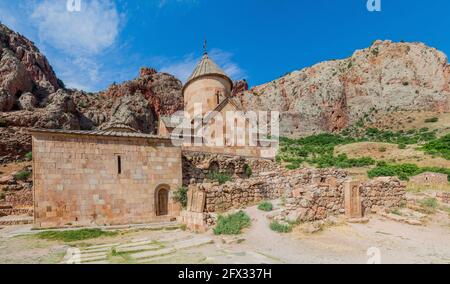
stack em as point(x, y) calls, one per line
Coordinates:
point(32, 96)
point(330, 96)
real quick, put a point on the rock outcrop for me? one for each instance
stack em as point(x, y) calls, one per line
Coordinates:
point(330, 96)
point(32, 96)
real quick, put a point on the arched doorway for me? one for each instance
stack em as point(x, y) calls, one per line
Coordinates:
point(162, 201)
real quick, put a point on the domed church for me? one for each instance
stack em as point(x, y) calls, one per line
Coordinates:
point(210, 87)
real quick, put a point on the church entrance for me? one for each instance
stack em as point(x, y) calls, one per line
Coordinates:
point(162, 201)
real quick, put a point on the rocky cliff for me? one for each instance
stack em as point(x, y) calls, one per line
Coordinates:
point(384, 78)
point(32, 96)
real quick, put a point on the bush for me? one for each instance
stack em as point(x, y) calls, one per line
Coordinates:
point(76, 235)
point(430, 203)
point(265, 206)
point(29, 156)
point(181, 196)
point(431, 120)
point(280, 228)
point(219, 177)
point(403, 171)
point(440, 147)
point(232, 224)
point(23, 175)
point(402, 146)
point(248, 171)
point(2, 195)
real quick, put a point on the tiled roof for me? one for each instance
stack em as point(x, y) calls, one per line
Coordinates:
point(116, 126)
point(108, 133)
point(207, 67)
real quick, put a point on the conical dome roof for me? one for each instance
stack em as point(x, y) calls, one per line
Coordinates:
point(207, 67)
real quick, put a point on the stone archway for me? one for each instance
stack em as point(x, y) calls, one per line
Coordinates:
point(162, 200)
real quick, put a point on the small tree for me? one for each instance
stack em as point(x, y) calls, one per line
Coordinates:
point(181, 196)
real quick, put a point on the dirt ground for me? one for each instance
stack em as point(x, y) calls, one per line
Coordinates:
point(346, 243)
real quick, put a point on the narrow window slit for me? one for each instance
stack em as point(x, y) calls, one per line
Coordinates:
point(119, 165)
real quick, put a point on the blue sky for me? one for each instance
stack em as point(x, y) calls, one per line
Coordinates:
point(260, 40)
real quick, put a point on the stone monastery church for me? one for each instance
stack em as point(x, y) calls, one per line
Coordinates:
point(119, 176)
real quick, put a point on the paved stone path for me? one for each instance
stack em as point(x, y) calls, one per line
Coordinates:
point(139, 250)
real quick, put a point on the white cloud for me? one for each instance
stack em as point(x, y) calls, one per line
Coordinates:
point(78, 40)
point(89, 31)
point(183, 68)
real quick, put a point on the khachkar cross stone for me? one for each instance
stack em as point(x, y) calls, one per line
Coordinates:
point(353, 206)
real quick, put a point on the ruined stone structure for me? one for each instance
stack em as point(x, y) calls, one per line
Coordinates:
point(430, 178)
point(309, 194)
point(84, 178)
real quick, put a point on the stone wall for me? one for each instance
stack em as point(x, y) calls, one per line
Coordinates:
point(430, 178)
point(198, 165)
point(77, 181)
point(308, 194)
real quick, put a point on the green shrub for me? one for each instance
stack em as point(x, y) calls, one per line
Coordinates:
point(280, 228)
point(382, 149)
point(439, 147)
point(29, 156)
point(248, 171)
point(402, 146)
point(232, 224)
point(23, 175)
point(221, 178)
point(181, 196)
point(431, 120)
point(265, 206)
point(430, 203)
point(403, 171)
point(75, 235)
point(2, 195)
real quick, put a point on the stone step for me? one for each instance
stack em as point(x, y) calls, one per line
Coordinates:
point(196, 242)
point(108, 246)
point(135, 244)
point(96, 258)
point(105, 249)
point(14, 220)
point(150, 254)
point(138, 248)
point(90, 255)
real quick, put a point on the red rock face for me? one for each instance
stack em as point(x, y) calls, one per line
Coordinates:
point(330, 96)
point(28, 56)
point(163, 91)
point(239, 87)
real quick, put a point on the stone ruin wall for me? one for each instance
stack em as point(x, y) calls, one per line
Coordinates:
point(198, 165)
point(308, 194)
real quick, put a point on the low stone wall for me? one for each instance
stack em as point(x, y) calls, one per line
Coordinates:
point(383, 192)
point(197, 166)
point(309, 194)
